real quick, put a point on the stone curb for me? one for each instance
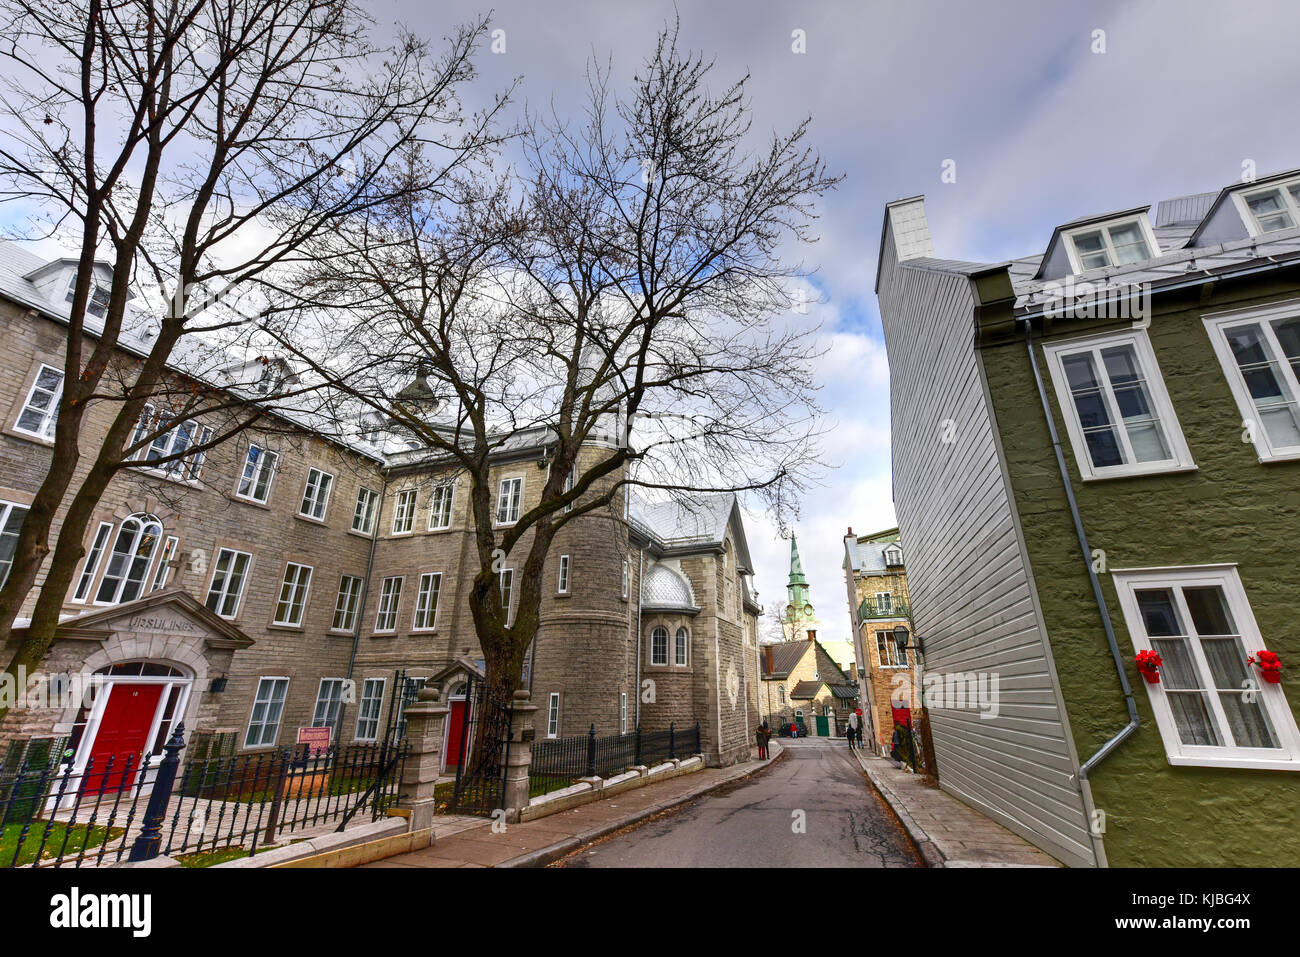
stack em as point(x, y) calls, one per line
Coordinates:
point(546, 855)
point(930, 852)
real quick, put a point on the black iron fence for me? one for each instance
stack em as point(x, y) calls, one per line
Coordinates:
point(480, 751)
point(559, 762)
point(207, 809)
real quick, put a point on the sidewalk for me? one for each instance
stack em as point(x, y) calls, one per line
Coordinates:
point(538, 843)
point(947, 832)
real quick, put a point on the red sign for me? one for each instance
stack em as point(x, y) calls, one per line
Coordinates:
point(902, 716)
point(317, 740)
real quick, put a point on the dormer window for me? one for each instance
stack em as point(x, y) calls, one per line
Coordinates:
point(1111, 244)
point(893, 556)
point(1271, 209)
point(98, 304)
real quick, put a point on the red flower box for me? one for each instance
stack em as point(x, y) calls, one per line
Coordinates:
point(1269, 665)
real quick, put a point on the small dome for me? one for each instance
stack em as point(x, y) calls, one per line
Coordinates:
point(665, 588)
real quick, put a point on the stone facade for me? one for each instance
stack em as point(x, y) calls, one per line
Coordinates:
point(592, 649)
point(800, 680)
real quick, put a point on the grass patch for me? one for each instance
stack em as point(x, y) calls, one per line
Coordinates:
point(79, 838)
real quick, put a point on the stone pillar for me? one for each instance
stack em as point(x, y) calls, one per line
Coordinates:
point(424, 721)
point(515, 798)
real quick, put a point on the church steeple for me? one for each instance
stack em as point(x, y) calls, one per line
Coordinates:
point(799, 610)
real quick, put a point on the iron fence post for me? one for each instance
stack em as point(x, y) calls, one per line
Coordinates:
point(637, 761)
point(672, 742)
point(146, 846)
point(591, 752)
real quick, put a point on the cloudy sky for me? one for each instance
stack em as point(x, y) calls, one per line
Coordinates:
point(1040, 129)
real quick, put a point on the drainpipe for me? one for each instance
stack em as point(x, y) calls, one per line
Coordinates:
point(640, 572)
point(1105, 750)
point(361, 601)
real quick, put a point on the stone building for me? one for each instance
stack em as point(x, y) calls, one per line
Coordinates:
point(289, 578)
point(876, 579)
point(803, 685)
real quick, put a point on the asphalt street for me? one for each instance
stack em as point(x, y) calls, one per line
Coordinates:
point(813, 808)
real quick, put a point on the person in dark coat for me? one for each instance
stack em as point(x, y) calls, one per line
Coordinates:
point(764, 735)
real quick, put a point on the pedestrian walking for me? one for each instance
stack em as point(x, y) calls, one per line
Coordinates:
point(764, 735)
point(861, 722)
point(854, 725)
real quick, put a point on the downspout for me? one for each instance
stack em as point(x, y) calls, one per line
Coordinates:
point(361, 601)
point(1104, 751)
point(640, 572)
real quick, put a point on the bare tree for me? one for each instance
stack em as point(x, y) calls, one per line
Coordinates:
point(204, 144)
point(625, 292)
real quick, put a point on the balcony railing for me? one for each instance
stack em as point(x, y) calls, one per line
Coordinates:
point(887, 608)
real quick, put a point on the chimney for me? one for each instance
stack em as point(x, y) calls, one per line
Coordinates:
point(849, 534)
point(911, 231)
point(767, 654)
point(853, 671)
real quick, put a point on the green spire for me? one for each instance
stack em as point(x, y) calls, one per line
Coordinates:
point(796, 566)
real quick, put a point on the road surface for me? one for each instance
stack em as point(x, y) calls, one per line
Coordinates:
point(813, 808)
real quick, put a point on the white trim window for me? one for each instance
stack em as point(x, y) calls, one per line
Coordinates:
point(1211, 706)
point(227, 587)
point(268, 707)
point(553, 715)
point(96, 302)
point(622, 712)
point(174, 441)
point(329, 701)
point(884, 603)
point(293, 594)
point(507, 590)
point(562, 586)
point(316, 494)
point(426, 602)
point(627, 575)
point(257, 475)
point(163, 570)
point(1259, 350)
point(1117, 243)
point(440, 506)
point(404, 512)
point(681, 647)
point(390, 596)
point(510, 494)
point(570, 480)
point(128, 563)
point(1271, 208)
point(41, 409)
point(369, 706)
point(659, 645)
point(891, 656)
point(1116, 409)
point(347, 604)
point(93, 558)
point(363, 513)
point(11, 523)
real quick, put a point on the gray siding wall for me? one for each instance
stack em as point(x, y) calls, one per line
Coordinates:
point(972, 594)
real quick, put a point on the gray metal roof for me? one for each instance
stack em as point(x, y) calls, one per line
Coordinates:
point(663, 588)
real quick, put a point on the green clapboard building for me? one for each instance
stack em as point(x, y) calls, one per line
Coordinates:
point(1096, 458)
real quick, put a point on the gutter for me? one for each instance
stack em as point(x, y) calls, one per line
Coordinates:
point(1106, 749)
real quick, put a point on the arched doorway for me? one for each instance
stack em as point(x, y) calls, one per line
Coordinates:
point(131, 710)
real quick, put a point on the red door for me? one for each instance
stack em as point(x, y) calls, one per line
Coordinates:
point(123, 731)
point(455, 731)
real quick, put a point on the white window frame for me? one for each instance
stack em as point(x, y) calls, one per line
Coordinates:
point(313, 496)
point(1216, 325)
point(681, 647)
point(1144, 224)
point(365, 719)
point(897, 656)
point(145, 521)
point(426, 619)
point(1181, 457)
point(98, 546)
point(185, 469)
point(291, 605)
point(509, 504)
point(562, 583)
point(622, 712)
point(225, 593)
point(275, 681)
point(390, 598)
point(884, 603)
point(254, 472)
point(1241, 199)
point(440, 504)
point(367, 513)
point(627, 574)
point(404, 512)
point(1272, 697)
point(96, 301)
point(346, 596)
point(333, 702)
point(553, 715)
point(506, 583)
point(7, 510)
point(44, 431)
point(667, 637)
point(162, 571)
